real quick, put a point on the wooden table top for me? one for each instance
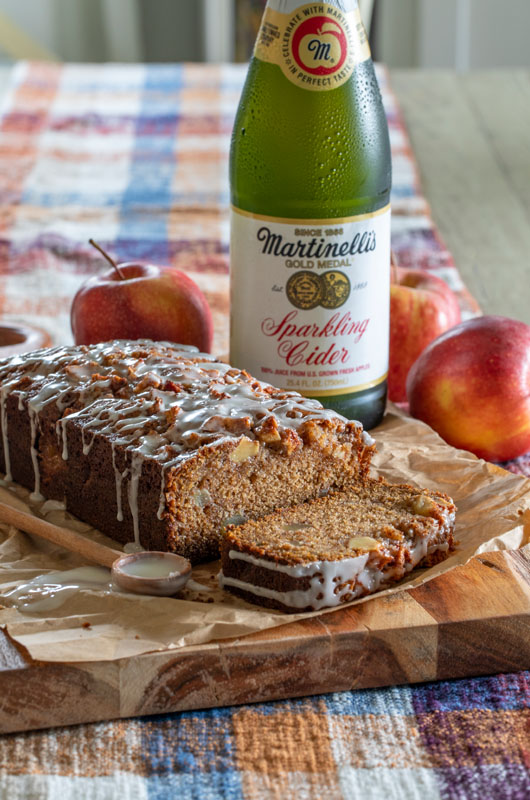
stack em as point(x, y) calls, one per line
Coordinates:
point(469, 133)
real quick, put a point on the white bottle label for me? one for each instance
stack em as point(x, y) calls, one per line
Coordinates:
point(310, 301)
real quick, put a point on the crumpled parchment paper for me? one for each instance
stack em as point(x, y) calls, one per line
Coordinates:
point(97, 625)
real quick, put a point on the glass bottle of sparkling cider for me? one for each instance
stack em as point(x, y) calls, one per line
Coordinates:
point(310, 177)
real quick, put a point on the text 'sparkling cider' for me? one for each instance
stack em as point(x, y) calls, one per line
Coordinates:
point(310, 176)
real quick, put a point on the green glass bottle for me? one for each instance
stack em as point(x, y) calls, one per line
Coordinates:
point(310, 175)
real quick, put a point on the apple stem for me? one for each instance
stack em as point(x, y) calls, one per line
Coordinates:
point(393, 267)
point(109, 259)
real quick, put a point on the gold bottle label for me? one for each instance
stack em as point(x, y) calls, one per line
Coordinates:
point(317, 46)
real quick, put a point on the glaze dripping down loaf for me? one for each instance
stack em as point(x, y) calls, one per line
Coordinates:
point(162, 445)
point(334, 549)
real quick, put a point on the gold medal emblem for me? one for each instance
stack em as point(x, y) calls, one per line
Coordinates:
point(335, 289)
point(304, 290)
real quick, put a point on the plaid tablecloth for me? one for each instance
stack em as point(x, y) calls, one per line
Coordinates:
point(136, 157)
point(458, 740)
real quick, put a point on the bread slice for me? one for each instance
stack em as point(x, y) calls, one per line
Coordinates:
point(333, 549)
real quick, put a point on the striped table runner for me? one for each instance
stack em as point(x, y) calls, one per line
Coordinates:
point(137, 158)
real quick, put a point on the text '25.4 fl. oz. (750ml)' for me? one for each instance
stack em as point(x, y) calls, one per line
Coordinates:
point(310, 181)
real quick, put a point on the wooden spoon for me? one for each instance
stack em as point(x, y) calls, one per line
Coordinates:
point(19, 338)
point(147, 572)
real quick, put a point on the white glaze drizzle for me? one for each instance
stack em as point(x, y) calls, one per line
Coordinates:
point(334, 568)
point(132, 547)
point(5, 440)
point(118, 477)
point(64, 451)
point(162, 500)
point(174, 401)
point(360, 574)
point(325, 578)
point(132, 490)
point(33, 421)
point(52, 505)
point(86, 447)
point(365, 579)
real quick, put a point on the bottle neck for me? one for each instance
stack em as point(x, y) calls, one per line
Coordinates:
point(288, 6)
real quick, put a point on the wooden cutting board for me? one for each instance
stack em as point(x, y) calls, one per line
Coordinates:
point(474, 620)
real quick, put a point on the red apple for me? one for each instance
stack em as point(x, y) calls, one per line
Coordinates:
point(422, 307)
point(472, 385)
point(142, 301)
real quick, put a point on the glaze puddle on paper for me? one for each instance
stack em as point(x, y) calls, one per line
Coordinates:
point(50, 591)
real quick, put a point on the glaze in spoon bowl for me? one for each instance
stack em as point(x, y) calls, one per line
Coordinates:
point(151, 572)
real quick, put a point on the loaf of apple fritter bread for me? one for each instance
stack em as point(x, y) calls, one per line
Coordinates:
point(333, 549)
point(162, 445)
